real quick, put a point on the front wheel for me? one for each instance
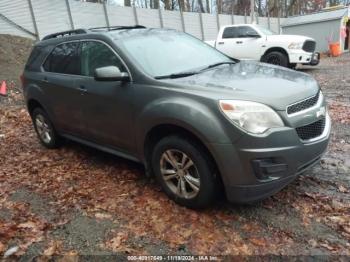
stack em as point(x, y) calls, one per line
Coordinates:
point(276, 58)
point(185, 172)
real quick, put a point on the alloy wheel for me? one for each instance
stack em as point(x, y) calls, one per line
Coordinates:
point(43, 129)
point(180, 173)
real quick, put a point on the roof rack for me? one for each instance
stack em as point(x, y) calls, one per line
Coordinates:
point(94, 29)
point(66, 33)
point(111, 28)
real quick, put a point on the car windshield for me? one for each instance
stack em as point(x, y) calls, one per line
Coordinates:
point(266, 31)
point(166, 52)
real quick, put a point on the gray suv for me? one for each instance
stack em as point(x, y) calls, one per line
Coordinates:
point(201, 122)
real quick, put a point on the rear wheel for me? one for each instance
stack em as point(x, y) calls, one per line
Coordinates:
point(276, 58)
point(185, 172)
point(44, 129)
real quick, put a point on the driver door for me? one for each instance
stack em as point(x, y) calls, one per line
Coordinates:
point(106, 105)
point(250, 43)
point(236, 43)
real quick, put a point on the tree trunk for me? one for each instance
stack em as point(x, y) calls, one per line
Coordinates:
point(219, 6)
point(167, 4)
point(207, 5)
point(201, 7)
point(182, 5)
point(188, 6)
point(155, 4)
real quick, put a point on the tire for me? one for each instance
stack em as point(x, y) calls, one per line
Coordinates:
point(45, 131)
point(276, 58)
point(183, 179)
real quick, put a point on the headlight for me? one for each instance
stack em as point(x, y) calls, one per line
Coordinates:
point(296, 45)
point(253, 117)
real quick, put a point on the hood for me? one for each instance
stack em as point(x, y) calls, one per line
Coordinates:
point(253, 81)
point(288, 38)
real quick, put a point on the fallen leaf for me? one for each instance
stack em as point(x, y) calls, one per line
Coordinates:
point(71, 256)
point(325, 245)
point(2, 247)
point(51, 250)
point(312, 242)
point(27, 225)
point(103, 216)
point(342, 189)
point(11, 251)
point(258, 241)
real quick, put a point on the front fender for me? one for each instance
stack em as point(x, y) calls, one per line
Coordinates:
point(197, 118)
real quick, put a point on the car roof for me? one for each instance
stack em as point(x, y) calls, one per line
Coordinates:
point(115, 32)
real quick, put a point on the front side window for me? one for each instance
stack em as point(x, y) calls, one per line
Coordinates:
point(161, 53)
point(230, 32)
point(64, 59)
point(95, 55)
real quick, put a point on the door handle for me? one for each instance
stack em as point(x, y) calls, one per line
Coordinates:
point(239, 42)
point(221, 43)
point(45, 80)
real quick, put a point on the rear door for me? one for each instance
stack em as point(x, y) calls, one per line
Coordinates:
point(61, 70)
point(107, 105)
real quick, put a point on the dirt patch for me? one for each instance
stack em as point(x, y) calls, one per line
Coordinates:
point(85, 234)
point(14, 52)
point(38, 204)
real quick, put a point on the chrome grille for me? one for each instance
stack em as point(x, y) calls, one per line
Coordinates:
point(312, 130)
point(309, 46)
point(302, 105)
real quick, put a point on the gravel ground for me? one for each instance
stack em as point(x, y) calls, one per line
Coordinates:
point(79, 201)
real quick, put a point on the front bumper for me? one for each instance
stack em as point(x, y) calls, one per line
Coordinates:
point(305, 58)
point(288, 155)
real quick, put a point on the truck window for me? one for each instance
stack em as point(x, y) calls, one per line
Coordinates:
point(230, 32)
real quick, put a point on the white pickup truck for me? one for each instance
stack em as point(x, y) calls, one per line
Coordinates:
point(250, 41)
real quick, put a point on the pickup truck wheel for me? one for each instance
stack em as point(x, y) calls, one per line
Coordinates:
point(44, 129)
point(276, 58)
point(184, 172)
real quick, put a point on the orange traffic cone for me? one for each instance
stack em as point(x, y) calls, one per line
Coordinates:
point(3, 88)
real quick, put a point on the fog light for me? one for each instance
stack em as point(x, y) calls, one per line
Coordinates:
point(268, 168)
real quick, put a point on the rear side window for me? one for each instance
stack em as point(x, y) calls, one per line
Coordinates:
point(64, 59)
point(95, 55)
point(34, 58)
point(230, 32)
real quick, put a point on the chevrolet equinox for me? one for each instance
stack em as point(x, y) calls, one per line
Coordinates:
point(201, 122)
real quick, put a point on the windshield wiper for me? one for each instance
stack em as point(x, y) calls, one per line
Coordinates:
point(190, 73)
point(177, 75)
point(220, 63)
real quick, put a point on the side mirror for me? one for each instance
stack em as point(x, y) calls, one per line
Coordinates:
point(252, 35)
point(110, 73)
